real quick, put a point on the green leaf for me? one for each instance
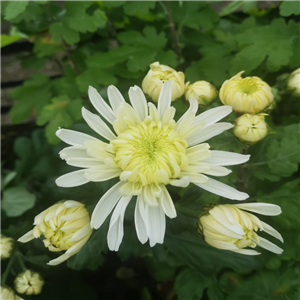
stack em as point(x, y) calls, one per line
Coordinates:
point(61, 32)
point(231, 7)
point(138, 7)
point(77, 19)
point(272, 42)
point(90, 255)
point(190, 284)
point(14, 8)
point(43, 50)
point(17, 200)
point(213, 67)
point(8, 39)
point(277, 155)
point(32, 95)
point(288, 8)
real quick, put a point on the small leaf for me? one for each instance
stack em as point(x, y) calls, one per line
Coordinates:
point(17, 200)
point(14, 8)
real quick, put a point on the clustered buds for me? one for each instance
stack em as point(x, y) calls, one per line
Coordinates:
point(155, 78)
point(7, 293)
point(203, 91)
point(6, 246)
point(65, 226)
point(29, 283)
point(250, 128)
point(294, 83)
point(230, 227)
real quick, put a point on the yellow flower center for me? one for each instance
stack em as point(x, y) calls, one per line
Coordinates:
point(150, 152)
point(247, 85)
point(250, 239)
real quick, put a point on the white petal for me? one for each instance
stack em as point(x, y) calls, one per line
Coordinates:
point(83, 162)
point(76, 247)
point(208, 132)
point(182, 182)
point(155, 224)
point(59, 260)
point(224, 158)
point(164, 99)
point(217, 171)
point(102, 174)
point(72, 179)
point(272, 231)
point(26, 237)
point(167, 204)
point(71, 203)
point(74, 138)
point(221, 244)
point(138, 102)
point(105, 205)
point(116, 230)
point(140, 226)
point(213, 115)
point(223, 190)
point(73, 151)
point(97, 124)
point(115, 97)
point(149, 197)
point(81, 233)
point(269, 246)
point(192, 109)
point(266, 209)
point(100, 105)
point(246, 252)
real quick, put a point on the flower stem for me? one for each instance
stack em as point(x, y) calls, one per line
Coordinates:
point(20, 260)
point(173, 31)
point(7, 270)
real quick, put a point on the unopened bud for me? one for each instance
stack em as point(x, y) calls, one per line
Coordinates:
point(203, 91)
point(29, 283)
point(246, 95)
point(6, 246)
point(294, 83)
point(250, 128)
point(157, 76)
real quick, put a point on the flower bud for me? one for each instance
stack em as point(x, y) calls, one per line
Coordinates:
point(6, 246)
point(230, 227)
point(294, 83)
point(250, 128)
point(246, 95)
point(155, 78)
point(203, 91)
point(29, 283)
point(65, 226)
point(8, 294)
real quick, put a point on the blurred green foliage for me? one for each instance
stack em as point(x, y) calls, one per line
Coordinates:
point(99, 43)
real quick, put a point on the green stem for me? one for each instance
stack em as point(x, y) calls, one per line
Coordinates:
point(7, 270)
point(20, 260)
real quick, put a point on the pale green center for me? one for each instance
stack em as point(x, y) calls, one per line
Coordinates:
point(148, 148)
point(247, 85)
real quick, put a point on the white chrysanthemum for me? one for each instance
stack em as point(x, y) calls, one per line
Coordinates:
point(29, 283)
point(230, 227)
point(147, 150)
point(7, 293)
point(6, 246)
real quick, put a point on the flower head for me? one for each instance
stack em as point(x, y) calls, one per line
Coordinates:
point(146, 150)
point(246, 95)
point(250, 128)
point(294, 82)
point(65, 226)
point(203, 91)
point(6, 246)
point(7, 293)
point(155, 78)
point(29, 283)
point(230, 227)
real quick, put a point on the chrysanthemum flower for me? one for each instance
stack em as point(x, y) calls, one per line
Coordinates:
point(147, 150)
point(294, 82)
point(29, 283)
point(7, 293)
point(230, 227)
point(6, 246)
point(65, 226)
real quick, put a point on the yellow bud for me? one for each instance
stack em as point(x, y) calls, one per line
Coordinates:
point(246, 95)
point(8, 294)
point(203, 91)
point(230, 227)
point(29, 283)
point(65, 226)
point(6, 246)
point(250, 128)
point(155, 78)
point(294, 83)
